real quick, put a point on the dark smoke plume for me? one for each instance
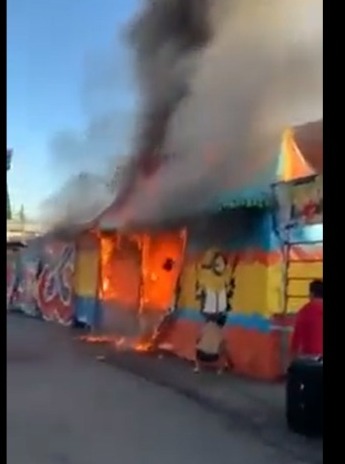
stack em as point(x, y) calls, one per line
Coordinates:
point(166, 38)
point(220, 80)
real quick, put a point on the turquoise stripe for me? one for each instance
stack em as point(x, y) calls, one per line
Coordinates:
point(246, 321)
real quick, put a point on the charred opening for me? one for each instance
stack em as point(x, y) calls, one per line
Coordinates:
point(139, 273)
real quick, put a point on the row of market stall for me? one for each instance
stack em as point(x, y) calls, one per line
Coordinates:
point(252, 255)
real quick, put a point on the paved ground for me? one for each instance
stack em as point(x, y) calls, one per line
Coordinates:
point(64, 407)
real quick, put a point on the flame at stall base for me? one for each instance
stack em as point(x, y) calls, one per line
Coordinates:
point(138, 276)
point(101, 339)
point(139, 344)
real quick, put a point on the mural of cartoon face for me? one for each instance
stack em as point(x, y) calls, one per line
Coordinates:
point(219, 264)
point(215, 283)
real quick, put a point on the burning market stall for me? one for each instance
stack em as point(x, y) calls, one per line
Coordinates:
point(138, 275)
point(223, 260)
point(124, 283)
point(208, 126)
point(228, 257)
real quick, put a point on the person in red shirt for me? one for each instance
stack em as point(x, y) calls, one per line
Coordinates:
point(307, 338)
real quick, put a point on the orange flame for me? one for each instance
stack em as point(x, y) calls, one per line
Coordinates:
point(130, 261)
point(96, 339)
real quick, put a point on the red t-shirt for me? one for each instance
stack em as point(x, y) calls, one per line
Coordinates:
point(307, 338)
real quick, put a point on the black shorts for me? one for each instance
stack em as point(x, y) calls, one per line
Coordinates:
point(206, 357)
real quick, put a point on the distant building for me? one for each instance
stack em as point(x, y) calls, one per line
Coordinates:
point(22, 230)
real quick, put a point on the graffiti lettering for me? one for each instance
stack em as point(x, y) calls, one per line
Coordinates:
point(56, 279)
point(55, 287)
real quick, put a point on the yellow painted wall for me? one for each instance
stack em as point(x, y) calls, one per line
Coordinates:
point(250, 295)
point(275, 295)
point(86, 273)
point(259, 284)
point(297, 289)
point(251, 277)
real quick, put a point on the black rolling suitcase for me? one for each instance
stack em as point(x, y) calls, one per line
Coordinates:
point(304, 396)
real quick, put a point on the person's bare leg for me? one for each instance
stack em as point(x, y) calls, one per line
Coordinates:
point(196, 366)
point(222, 363)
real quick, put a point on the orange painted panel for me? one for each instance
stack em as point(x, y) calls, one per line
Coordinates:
point(255, 354)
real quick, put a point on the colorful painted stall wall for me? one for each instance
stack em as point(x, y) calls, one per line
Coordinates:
point(11, 276)
point(305, 264)
point(86, 280)
point(55, 282)
point(243, 267)
point(23, 293)
point(231, 260)
point(43, 286)
point(302, 261)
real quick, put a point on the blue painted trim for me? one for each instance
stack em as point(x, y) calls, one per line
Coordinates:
point(87, 310)
point(246, 321)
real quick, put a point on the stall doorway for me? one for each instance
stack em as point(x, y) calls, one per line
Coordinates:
point(121, 282)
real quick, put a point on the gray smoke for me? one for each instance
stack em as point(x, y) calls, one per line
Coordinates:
point(220, 81)
point(97, 148)
point(79, 201)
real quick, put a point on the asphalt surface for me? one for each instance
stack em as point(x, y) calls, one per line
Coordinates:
point(65, 407)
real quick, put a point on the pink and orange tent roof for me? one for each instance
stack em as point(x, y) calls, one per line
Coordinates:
point(302, 152)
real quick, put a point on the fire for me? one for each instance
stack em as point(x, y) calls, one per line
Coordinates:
point(106, 284)
point(142, 347)
point(158, 279)
point(96, 339)
point(139, 274)
point(119, 343)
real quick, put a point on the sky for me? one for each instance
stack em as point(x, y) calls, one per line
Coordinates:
point(67, 65)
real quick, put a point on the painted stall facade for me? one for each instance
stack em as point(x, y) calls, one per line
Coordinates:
point(86, 280)
point(299, 227)
point(233, 260)
point(228, 267)
point(138, 275)
point(43, 284)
